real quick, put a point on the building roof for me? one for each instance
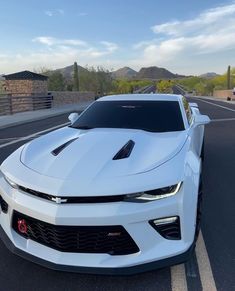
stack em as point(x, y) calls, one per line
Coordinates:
point(25, 75)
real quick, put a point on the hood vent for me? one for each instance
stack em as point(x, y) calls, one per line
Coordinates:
point(125, 151)
point(56, 151)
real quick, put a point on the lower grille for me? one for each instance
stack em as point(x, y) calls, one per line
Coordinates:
point(4, 205)
point(168, 230)
point(113, 240)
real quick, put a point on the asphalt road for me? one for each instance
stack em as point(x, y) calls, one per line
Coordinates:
point(212, 264)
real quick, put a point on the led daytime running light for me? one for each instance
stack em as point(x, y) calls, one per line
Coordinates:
point(150, 196)
point(10, 182)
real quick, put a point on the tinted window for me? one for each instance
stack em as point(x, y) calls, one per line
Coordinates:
point(155, 116)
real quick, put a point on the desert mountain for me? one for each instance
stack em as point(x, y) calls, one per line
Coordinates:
point(128, 73)
point(67, 72)
point(125, 73)
point(156, 73)
point(209, 75)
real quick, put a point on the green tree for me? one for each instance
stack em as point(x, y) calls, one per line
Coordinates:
point(75, 77)
point(42, 70)
point(164, 86)
point(56, 81)
point(123, 86)
point(69, 86)
point(104, 80)
point(190, 82)
point(97, 80)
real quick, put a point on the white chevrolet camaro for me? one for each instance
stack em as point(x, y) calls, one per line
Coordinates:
point(116, 192)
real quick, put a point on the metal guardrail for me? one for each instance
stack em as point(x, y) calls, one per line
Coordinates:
point(146, 89)
point(178, 89)
point(12, 104)
point(150, 89)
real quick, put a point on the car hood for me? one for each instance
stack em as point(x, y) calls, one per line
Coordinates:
point(88, 154)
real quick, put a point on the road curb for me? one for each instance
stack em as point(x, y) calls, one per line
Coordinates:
point(213, 99)
point(20, 122)
point(30, 120)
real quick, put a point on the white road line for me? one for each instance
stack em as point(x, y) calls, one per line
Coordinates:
point(178, 278)
point(32, 135)
point(204, 266)
point(15, 138)
point(223, 119)
point(9, 138)
point(224, 107)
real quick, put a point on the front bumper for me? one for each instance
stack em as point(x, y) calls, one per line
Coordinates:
point(155, 251)
point(92, 270)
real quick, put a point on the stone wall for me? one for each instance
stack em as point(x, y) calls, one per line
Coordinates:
point(223, 94)
point(71, 97)
point(21, 104)
point(25, 87)
point(2, 86)
point(19, 87)
point(39, 87)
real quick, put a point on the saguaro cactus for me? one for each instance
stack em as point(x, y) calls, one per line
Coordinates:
point(75, 77)
point(228, 78)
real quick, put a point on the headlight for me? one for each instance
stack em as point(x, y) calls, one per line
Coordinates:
point(153, 194)
point(9, 181)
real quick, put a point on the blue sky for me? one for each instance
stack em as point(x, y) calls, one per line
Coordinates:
point(186, 37)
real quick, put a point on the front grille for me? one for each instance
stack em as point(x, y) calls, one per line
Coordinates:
point(113, 240)
point(85, 199)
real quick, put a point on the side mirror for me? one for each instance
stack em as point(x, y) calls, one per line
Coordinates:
point(73, 117)
point(201, 120)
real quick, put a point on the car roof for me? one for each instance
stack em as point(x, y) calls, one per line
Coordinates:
point(142, 97)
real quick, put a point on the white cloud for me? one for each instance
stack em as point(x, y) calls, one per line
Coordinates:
point(206, 21)
point(60, 11)
point(75, 42)
point(51, 41)
point(49, 13)
point(2, 56)
point(44, 40)
point(55, 53)
point(177, 41)
point(54, 12)
point(101, 49)
point(82, 14)
point(205, 42)
point(111, 47)
point(158, 53)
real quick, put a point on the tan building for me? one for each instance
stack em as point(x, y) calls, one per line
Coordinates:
point(26, 91)
point(25, 83)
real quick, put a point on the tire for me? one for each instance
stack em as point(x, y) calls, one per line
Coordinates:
point(199, 211)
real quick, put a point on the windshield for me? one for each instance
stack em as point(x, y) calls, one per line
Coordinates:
point(154, 116)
